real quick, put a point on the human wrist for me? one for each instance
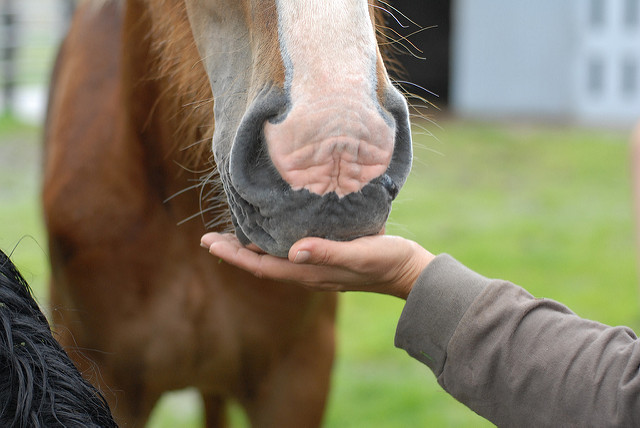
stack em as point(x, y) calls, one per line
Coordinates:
point(416, 264)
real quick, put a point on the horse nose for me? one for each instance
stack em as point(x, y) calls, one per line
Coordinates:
point(331, 145)
point(390, 186)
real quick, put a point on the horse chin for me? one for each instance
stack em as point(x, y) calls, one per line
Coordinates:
point(296, 214)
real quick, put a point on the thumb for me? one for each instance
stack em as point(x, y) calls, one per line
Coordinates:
point(316, 251)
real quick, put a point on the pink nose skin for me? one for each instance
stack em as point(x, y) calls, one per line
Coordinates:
point(331, 145)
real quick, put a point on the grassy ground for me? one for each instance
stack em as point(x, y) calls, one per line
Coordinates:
point(546, 207)
point(21, 229)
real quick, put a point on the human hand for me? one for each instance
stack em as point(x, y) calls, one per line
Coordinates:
point(380, 264)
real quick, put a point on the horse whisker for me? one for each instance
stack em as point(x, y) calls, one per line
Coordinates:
point(180, 192)
point(398, 11)
point(390, 14)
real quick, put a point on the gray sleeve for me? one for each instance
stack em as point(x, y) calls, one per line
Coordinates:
point(518, 360)
point(434, 308)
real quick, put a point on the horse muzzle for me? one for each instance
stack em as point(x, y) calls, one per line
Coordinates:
point(273, 212)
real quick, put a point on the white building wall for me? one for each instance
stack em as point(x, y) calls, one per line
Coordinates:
point(608, 61)
point(576, 59)
point(512, 56)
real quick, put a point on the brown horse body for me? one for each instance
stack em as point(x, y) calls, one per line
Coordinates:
point(133, 292)
point(304, 145)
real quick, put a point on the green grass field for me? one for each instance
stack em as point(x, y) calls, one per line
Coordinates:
point(546, 207)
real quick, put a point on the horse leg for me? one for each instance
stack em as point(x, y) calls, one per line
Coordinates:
point(129, 398)
point(132, 406)
point(215, 409)
point(294, 393)
point(121, 383)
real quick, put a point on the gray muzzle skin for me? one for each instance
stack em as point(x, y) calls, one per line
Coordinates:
point(265, 209)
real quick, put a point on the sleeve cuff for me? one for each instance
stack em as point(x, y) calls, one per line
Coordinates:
point(439, 298)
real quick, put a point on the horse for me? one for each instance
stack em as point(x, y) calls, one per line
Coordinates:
point(275, 119)
point(40, 386)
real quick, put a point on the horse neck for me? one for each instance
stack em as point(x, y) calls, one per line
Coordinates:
point(166, 88)
point(168, 110)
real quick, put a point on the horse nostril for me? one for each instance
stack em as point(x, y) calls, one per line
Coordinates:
point(391, 187)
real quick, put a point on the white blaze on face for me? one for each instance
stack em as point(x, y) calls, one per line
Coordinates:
point(334, 137)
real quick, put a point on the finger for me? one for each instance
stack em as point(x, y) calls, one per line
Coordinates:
point(233, 252)
point(228, 248)
point(254, 247)
point(209, 238)
point(310, 251)
point(319, 251)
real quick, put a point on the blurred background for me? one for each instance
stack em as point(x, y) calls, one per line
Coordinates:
point(522, 171)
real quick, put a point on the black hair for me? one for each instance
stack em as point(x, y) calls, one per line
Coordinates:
point(39, 384)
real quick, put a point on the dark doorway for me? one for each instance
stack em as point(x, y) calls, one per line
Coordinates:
point(432, 72)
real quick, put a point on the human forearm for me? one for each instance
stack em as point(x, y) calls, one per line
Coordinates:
point(437, 302)
point(521, 361)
